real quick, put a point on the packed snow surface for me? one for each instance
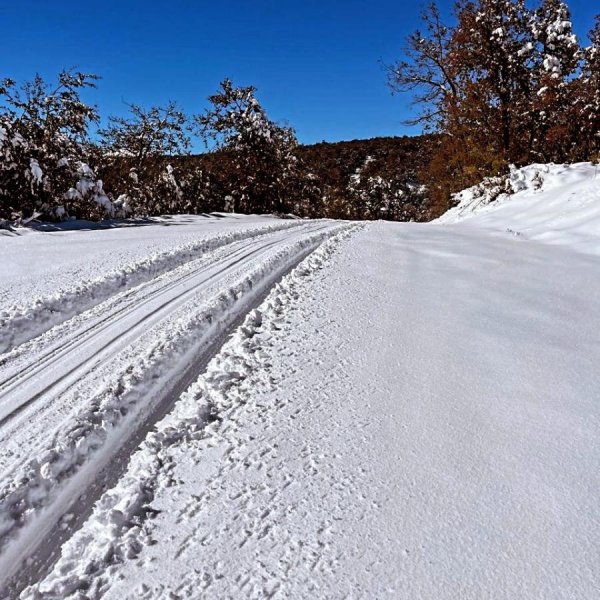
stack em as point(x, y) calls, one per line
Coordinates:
point(412, 416)
point(74, 400)
point(404, 411)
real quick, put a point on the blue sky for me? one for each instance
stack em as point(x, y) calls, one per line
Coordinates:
point(316, 63)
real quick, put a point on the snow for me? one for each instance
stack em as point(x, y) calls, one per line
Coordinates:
point(552, 64)
point(103, 374)
point(36, 171)
point(451, 453)
point(49, 277)
point(558, 204)
point(409, 412)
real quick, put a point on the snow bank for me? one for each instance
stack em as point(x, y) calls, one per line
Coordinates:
point(559, 204)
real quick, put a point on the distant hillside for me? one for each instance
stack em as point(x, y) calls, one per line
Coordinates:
point(335, 162)
point(376, 178)
point(373, 178)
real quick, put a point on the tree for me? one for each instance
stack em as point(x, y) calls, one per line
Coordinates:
point(557, 61)
point(492, 47)
point(504, 85)
point(45, 149)
point(589, 94)
point(427, 71)
point(264, 174)
point(135, 149)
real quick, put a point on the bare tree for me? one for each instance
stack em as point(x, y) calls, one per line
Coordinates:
point(426, 70)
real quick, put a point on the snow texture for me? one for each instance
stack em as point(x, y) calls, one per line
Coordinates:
point(411, 413)
point(87, 280)
point(121, 384)
point(120, 524)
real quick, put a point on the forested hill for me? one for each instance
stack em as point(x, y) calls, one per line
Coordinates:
point(359, 179)
point(373, 174)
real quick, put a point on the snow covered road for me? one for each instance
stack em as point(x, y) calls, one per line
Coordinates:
point(404, 411)
point(83, 394)
point(412, 413)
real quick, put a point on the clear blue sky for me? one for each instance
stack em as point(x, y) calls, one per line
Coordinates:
point(315, 62)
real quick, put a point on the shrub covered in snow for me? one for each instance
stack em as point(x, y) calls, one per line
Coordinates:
point(133, 151)
point(50, 168)
point(45, 151)
point(374, 193)
point(266, 173)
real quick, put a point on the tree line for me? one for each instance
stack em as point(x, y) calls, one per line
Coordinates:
point(57, 163)
point(504, 84)
point(51, 165)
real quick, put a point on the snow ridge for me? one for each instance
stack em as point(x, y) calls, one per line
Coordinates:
point(526, 182)
point(122, 520)
point(22, 322)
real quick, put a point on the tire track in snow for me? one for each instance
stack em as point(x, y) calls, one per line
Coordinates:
point(32, 505)
point(115, 305)
point(88, 354)
point(21, 323)
point(121, 522)
point(45, 372)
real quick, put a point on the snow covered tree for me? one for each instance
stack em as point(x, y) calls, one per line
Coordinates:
point(45, 150)
point(589, 89)
point(557, 60)
point(560, 50)
point(492, 47)
point(264, 173)
point(135, 149)
point(472, 78)
point(198, 190)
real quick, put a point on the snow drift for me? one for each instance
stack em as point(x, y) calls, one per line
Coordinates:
point(559, 204)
